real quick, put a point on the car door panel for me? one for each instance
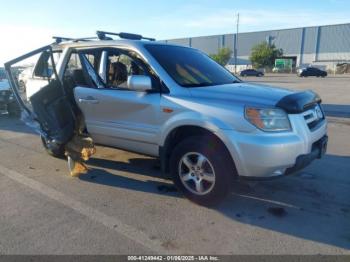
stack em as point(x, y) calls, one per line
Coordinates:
point(48, 109)
point(118, 117)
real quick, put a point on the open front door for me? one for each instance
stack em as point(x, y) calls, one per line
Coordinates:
point(44, 104)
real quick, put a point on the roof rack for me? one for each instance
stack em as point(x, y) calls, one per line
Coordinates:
point(102, 36)
point(60, 39)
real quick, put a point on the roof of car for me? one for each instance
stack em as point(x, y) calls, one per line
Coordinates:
point(97, 43)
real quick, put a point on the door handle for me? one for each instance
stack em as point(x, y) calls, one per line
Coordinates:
point(88, 100)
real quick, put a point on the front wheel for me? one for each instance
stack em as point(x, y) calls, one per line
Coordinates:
point(202, 170)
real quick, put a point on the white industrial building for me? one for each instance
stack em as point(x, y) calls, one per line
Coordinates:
point(322, 46)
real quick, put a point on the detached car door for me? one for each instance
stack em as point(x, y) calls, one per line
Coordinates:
point(114, 114)
point(47, 108)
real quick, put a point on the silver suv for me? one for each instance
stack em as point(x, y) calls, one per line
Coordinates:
point(207, 126)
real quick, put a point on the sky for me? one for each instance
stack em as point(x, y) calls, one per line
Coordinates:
point(26, 25)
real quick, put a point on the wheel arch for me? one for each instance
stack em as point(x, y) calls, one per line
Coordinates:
point(180, 133)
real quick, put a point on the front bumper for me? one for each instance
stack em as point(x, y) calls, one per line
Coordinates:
point(265, 155)
point(319, 148)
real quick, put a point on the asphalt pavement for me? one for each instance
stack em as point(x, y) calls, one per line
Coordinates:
point(125, 206)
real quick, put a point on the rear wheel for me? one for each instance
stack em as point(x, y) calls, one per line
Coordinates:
point(202, 169)
point(53, 150)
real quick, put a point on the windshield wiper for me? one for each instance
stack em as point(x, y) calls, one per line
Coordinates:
point(199, 84)
point(210, 84)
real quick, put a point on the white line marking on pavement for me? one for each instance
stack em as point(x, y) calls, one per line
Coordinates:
point(108, 221)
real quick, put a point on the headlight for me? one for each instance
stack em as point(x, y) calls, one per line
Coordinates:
point(268, 119)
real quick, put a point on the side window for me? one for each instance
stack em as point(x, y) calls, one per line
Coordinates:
point(120, 67)
point(73, 73)
point(74, 70)
point(72, 65)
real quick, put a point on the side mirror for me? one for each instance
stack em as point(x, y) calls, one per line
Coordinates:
point(139, 83)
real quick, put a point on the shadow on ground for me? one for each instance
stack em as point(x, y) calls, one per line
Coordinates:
point(138, 166)
point(14, 125)
point(342, 111)
point(313, 204)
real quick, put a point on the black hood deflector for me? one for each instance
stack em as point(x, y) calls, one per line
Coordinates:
point(298, 102)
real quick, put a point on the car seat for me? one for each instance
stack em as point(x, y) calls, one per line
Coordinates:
point(118, 74)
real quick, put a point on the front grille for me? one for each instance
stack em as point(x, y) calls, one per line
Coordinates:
point(313, 116)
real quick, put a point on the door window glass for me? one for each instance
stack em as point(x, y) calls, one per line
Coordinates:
point(30, 74)
point(33, 73)
point(74, 74)
point(119, 67)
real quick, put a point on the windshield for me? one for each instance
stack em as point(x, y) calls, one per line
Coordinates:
point(190, 67)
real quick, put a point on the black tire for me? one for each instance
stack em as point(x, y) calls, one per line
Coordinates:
point(13, 109)
point(220, 160)
point(57, 151)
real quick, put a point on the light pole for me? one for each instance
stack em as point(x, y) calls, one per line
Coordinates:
point(236, 43)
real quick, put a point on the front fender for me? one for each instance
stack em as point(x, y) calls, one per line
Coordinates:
point(191, 118)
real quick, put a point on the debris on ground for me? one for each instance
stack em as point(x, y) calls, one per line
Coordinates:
point(166, 189)
point(79, 149)
point(277, 211)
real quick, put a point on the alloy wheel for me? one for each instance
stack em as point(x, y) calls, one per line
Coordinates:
point(196, 173)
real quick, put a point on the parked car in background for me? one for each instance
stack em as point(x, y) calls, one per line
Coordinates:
point(7, 100)
point(311, 71)
point(251, 72)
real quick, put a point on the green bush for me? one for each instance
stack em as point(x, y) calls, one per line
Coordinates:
point(263, 55)
point(223, 56)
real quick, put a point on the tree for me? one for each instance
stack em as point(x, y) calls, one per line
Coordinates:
point(223, 56)
point(264, 55)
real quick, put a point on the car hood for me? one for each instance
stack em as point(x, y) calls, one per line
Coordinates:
point(244, 93)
